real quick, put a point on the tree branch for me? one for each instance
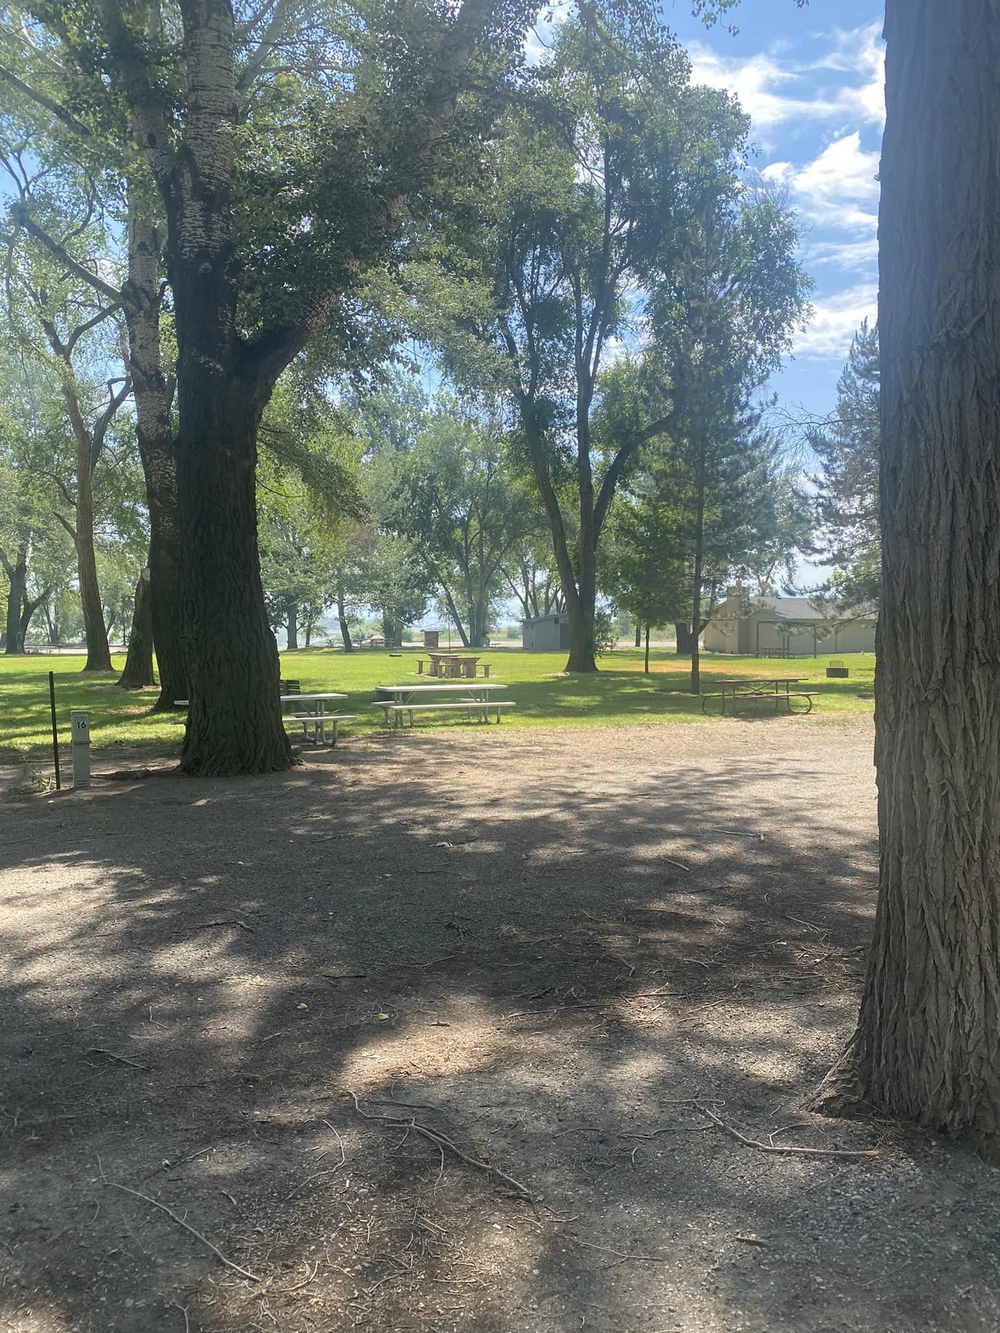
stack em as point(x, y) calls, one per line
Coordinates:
point(68, 526)
point(42, 99)
point(21, 216)
point(105, 419)
point(282, 12)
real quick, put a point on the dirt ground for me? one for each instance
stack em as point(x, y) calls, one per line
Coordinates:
point(562, 951)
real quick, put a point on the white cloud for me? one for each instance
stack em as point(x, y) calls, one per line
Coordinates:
point(837, 189)
point(851, 256)
point(835, 321)
point(774, 90)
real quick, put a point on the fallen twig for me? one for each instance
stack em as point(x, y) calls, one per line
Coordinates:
point(186, 1225)
point(441, 1141)
point(122, 1059)
point(624, 1258)
point(750, 1240)
point(777, 1148)
point(678, 864)
point(224, 921)
point(184, 1311)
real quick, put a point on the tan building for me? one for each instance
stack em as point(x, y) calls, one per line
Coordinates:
point(785, 627)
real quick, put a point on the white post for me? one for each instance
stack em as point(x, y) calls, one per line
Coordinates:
point(80, 729)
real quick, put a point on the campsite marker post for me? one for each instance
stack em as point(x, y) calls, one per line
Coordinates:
point(80, 727)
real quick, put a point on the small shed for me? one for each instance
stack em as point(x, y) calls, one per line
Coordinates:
point(546, 634)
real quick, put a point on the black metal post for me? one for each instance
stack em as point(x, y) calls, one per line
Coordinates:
point(55, 731)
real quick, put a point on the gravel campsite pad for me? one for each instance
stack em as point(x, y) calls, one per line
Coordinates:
point(560, 972)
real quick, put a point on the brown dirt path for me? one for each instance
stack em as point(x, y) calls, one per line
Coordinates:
point(555, 944)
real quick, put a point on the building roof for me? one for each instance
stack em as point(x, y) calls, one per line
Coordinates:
point(804, 608)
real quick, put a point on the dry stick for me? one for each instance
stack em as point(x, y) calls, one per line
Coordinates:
point(122, 1060)
point(442, 1141)
point(624, 1258)
point(187, 1227)
point(777, 1148)
point(328, 1171)
point(228, 921)
point(678, 864)
point(184, 1311)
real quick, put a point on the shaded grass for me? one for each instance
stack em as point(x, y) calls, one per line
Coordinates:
point(619, 694)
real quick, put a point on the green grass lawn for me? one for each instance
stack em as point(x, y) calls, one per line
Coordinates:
point(621, 693)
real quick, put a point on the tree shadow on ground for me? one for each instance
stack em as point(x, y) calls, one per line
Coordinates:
point(560, 949)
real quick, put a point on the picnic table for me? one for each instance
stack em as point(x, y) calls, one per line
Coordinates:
point(776, 690)
point(400, 700)
point(452, 664)
point(311, 711)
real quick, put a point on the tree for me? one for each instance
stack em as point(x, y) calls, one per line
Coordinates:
point(334, 121)
point(644, 571)
point(137, 673)
point(847, 487)
point(72, 340)
point(455, 499)
point(595, 185)
point(927, 1044)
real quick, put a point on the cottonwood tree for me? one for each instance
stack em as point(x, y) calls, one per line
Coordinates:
point(90, 171)
point(927, 1044)
point(284, 142)
point(24, 526)
point(594, 187)
point(71, 341)
point(456, 498)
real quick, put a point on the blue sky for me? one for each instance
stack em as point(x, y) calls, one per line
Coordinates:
point(811, 80)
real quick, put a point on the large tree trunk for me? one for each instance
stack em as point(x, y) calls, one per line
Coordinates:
point(138, 672)
point(345, 629)
point(17, 578)
point(579, 612)
point(98, 651)
point(28, 608)
point(234, 721)
point(683, 636)
point(292, 625)
point(141, 303)
point(927, 1045)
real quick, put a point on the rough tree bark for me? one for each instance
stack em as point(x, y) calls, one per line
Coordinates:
point(927, 1044)
point(138, 671)
point(682, 633)
point(292, 625)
